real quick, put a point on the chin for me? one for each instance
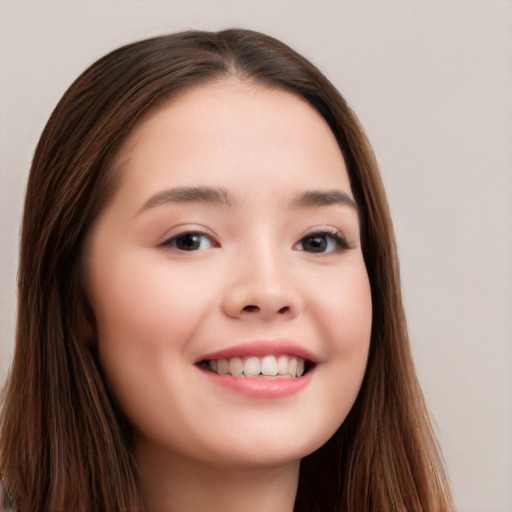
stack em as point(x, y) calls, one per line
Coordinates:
point(266, 450)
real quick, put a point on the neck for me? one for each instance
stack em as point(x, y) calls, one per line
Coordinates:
point(171, 483)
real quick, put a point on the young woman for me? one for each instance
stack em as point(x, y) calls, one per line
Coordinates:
point(209, 312)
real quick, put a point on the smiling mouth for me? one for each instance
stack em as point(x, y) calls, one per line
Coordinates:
point(282, 366)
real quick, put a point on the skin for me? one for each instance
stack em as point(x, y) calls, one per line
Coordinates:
point(253, 276)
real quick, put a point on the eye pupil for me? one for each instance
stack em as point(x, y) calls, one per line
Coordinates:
point(315, 244)
point(188, 242)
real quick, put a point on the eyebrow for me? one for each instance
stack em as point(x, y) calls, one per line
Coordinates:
point(221, 196)
point(324, 198)
point(183, 195)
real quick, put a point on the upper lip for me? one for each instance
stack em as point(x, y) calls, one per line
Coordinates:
point(261, 348)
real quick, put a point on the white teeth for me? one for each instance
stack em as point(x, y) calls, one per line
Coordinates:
point(300, 367)
point(236, 367)
point(223, 367)
point(268, 366)
point(282, 365)
point(252, 366)
point(292, 368)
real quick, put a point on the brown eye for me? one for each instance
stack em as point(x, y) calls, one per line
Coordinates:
point(314, 243)
point(189, 242)
point(322, 242)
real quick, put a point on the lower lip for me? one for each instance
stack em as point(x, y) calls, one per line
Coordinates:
point(261, 387)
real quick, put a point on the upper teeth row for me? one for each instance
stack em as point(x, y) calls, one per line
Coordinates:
point(252, 366)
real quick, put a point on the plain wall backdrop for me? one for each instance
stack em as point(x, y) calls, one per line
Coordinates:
point(431, 82)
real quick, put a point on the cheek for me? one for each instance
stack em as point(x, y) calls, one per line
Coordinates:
point(346, 309)
point(347, 322)
point(147, 300)
point(145, 316)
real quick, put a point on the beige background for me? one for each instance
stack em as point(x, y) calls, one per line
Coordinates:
point(431, 82)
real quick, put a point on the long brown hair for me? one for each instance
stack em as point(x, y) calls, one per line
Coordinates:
point(63, 443)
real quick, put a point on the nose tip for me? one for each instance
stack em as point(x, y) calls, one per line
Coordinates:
point(262, 284)
point(260, 301)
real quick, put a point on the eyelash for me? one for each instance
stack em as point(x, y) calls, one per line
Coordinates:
point(173, 241)
point(330, 234)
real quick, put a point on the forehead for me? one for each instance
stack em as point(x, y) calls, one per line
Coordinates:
point(233, 133)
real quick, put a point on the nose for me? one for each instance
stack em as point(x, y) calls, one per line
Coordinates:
point(262, 287)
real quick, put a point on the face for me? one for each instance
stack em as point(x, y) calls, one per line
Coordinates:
point(227, 280)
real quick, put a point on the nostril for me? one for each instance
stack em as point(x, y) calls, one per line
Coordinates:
point(251, 309)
